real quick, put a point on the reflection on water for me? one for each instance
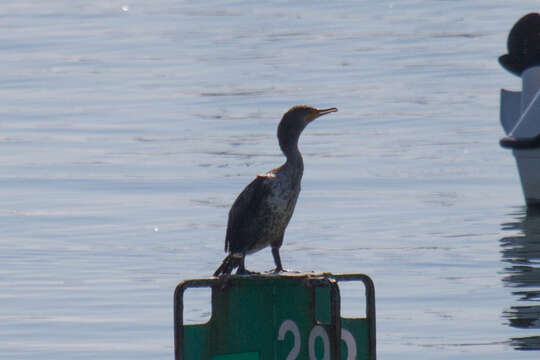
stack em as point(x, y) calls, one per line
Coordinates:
point(522, 274)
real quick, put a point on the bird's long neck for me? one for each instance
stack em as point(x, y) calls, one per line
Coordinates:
point(294, 157)
point(289, 131)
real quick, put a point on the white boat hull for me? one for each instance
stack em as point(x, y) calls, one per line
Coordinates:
point(528, 163)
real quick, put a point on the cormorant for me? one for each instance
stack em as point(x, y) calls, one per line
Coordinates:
point(260, 213)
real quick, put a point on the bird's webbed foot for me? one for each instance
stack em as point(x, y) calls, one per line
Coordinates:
point(281, 271)
point(276, 271)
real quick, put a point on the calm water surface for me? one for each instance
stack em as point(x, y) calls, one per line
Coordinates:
point(128, 128)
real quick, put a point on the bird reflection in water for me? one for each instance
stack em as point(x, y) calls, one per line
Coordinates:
point(522, 273)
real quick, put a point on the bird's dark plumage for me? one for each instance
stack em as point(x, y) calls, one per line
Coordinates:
point(261, 213)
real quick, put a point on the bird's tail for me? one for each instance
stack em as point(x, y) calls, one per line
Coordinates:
point(227, 266)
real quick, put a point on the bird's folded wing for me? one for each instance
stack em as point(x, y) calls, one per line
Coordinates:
point(244, 216)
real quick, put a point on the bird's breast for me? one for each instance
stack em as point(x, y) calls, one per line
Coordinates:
point(283, 193)
point(280, 207)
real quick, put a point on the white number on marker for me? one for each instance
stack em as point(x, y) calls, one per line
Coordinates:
point(350, 343)
point(286, 326)
point(318, 331)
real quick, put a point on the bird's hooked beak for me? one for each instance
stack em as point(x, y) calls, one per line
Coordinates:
point(320, 112)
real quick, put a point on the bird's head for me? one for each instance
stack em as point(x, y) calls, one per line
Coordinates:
point(296, 119)
point(301, 115)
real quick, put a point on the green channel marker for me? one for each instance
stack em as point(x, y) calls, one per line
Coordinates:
point(286, 316)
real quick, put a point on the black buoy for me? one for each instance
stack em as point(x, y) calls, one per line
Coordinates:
point(523, 45)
